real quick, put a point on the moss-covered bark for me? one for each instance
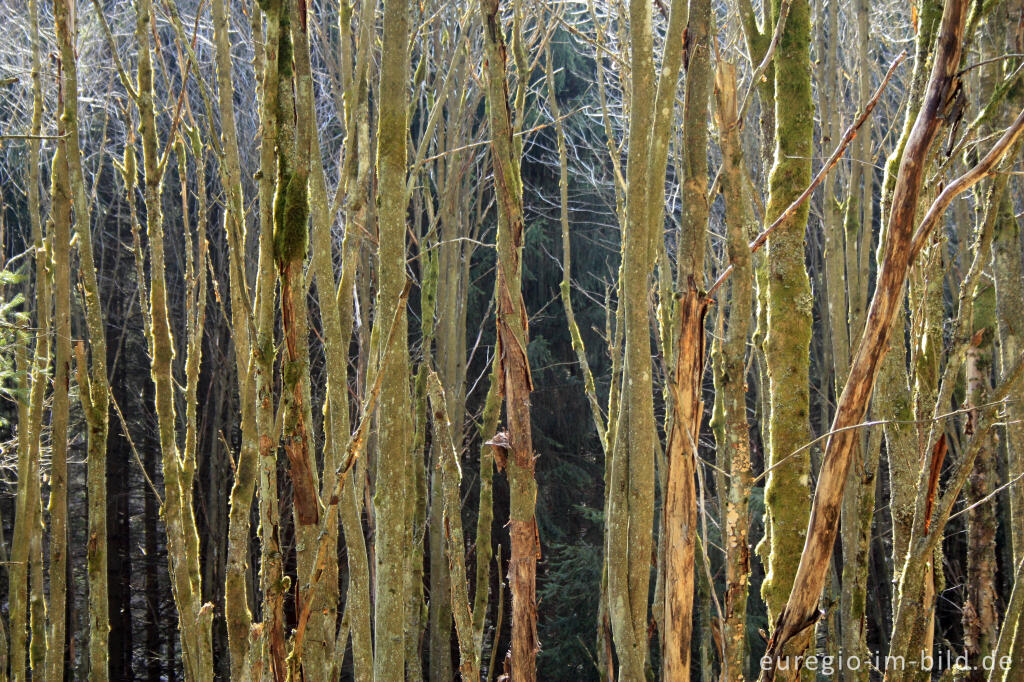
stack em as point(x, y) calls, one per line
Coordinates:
point(236, 596)
point(268, 657)
point(787, 489)
point(1008, 273)
point(61, 225)
point(392, 415)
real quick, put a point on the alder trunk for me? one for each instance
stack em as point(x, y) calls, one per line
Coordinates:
point(94, 387)
point(393, 463)
point(732, 431)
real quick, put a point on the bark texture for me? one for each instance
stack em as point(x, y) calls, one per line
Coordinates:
point(393, 465)
point(515, 382)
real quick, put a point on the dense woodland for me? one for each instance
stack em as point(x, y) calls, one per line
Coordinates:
point(508, 340)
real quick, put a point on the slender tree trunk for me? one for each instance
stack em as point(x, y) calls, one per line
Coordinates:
point(440, 610)
point(236, 597)
point(393, 410)
point(357, 173)
point(27, 601)
point(843, 277)
point(94, 389)
point(18, 578)
point(194, 618)
point(515, 381)
point(271, 653)
point(732, 431)
point(679, 524)
point(29, 524)
point(454, 543)
point(980, 615)
point(632, 441)
point(1008, 273)
point(58, 506)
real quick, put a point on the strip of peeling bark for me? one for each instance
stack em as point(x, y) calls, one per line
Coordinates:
point(515, 382)
point(679, 517)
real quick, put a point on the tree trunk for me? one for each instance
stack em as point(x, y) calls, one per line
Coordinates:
point(194, 617)
point(392, 415)
point(515, 381)
point(236, 597)
point(980, 614)
point(454, 544)
point(27, 600)
point(94, 388)
point(732, 431)
point(686, 369)
point(787, 489)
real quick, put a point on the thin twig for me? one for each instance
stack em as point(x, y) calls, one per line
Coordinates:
point(33, 137)
point(862, 425)
point(135, 452)
point(986, 498)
